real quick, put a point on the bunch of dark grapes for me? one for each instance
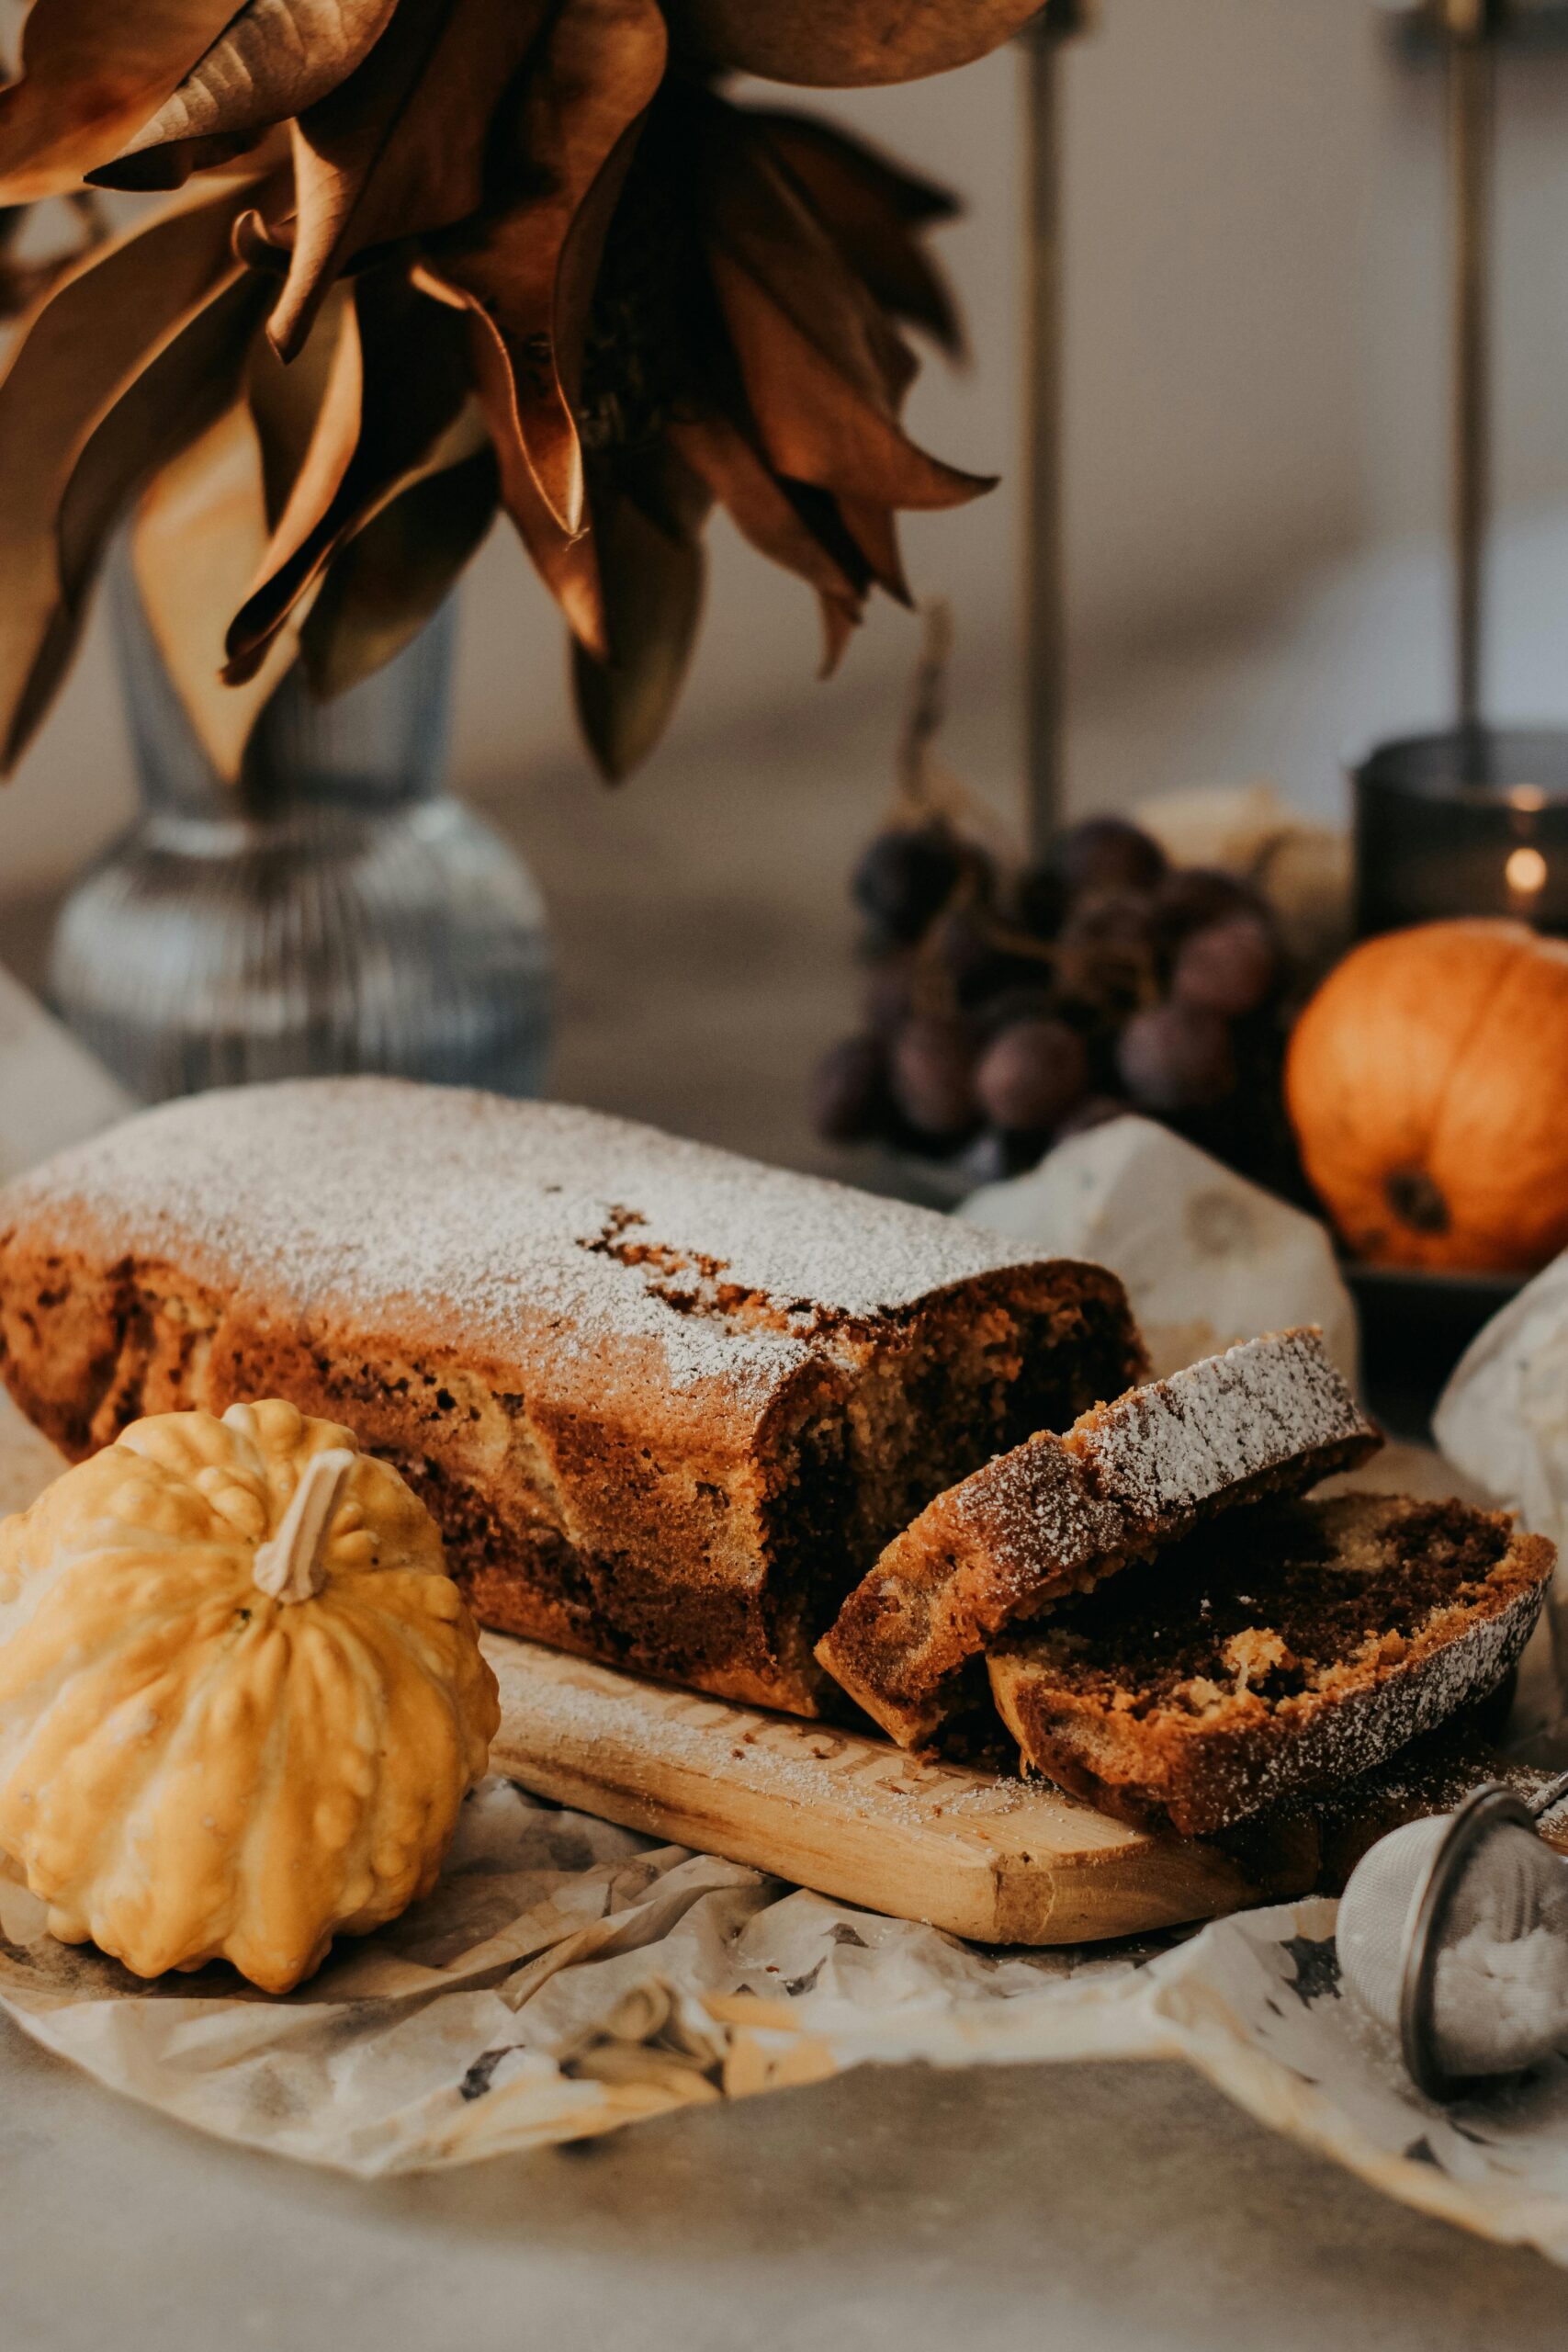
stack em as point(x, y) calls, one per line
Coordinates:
point(1006, 1010)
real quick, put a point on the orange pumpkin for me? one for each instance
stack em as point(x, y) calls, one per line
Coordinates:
point(1427, 1084)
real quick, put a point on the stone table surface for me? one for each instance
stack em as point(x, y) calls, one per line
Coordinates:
point(704, 956)
point(1084, 2209)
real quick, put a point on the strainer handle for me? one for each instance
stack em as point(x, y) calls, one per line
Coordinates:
point(1483, 1809)
point(1544, 1799)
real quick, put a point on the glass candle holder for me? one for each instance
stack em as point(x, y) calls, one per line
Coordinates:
point(1471, 821)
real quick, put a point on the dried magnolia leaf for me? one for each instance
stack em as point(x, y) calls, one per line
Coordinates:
point(839, 622)
point(531, 268)
point(17, 285)
point(653, 592)
point(392, 577)
point(875, 532)
point(816, 426)
point(185, 383)
point(772, 514)
point(298, 547)
point(92, 70)
point(843, 44)
point(286, 402)
point(759, 221)
point(845, 172)
point(801, 528)
point(567, 561)
point(403, 372)
point(162, 168)
point(266, 244)
point(266, 151)
point(273, 58)
point(199, 534)
point(871, 208)
point(94, 334)
point(399, 149)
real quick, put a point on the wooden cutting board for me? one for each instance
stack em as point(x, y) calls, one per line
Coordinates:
point(1000, 1861)
point(1005, 1861)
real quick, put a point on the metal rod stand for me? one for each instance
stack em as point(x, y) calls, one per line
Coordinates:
point(1471, 74)
point(1043, 564)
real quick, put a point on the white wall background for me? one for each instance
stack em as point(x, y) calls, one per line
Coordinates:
point(1255, 267)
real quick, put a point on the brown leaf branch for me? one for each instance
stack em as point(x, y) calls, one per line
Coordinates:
point(652, 565)
point(874, 210)
point(200, 533)
point(567, 561)
point(392, 576)
point(507, 259)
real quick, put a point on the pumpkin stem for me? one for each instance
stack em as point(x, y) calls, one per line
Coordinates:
point(289, 1566)
point(1416, 1201)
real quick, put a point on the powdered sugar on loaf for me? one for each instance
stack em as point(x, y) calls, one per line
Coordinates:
point(351, 1191)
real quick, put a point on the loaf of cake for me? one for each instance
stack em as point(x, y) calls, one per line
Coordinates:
point(1059, 1513)
point(1281, 1651)
point(666, 1406)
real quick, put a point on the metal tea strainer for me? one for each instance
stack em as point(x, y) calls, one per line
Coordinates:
point(1453, 1934)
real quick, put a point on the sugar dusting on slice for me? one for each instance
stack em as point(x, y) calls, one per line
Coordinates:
point(1164, 1450)
point(1144, 1463)
point(1036, 1510)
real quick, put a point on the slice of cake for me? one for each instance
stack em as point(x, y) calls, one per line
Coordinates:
point(1058, 1514)
point(666, 1405)
point(1279, 1652)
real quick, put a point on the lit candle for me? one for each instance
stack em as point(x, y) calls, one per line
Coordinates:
point(1468, 822)
point(1525, 873)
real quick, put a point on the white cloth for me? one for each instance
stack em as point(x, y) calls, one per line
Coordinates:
point(1207, 1259)
point(52, 1091)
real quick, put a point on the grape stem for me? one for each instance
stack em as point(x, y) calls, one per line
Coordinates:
point(927, 709)
point(1072, 964)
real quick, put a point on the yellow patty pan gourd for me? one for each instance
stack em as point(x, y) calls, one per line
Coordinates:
point(241, 1701)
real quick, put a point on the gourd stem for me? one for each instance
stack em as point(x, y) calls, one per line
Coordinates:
point(289, 1567)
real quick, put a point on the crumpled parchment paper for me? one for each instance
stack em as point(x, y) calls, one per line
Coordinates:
point(53, 1090)
point(1503, 1421)
point(1503, 1418)
point(1207, 1257)
point(568, 1977)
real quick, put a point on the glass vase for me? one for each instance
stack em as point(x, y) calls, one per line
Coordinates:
point(336, 909)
